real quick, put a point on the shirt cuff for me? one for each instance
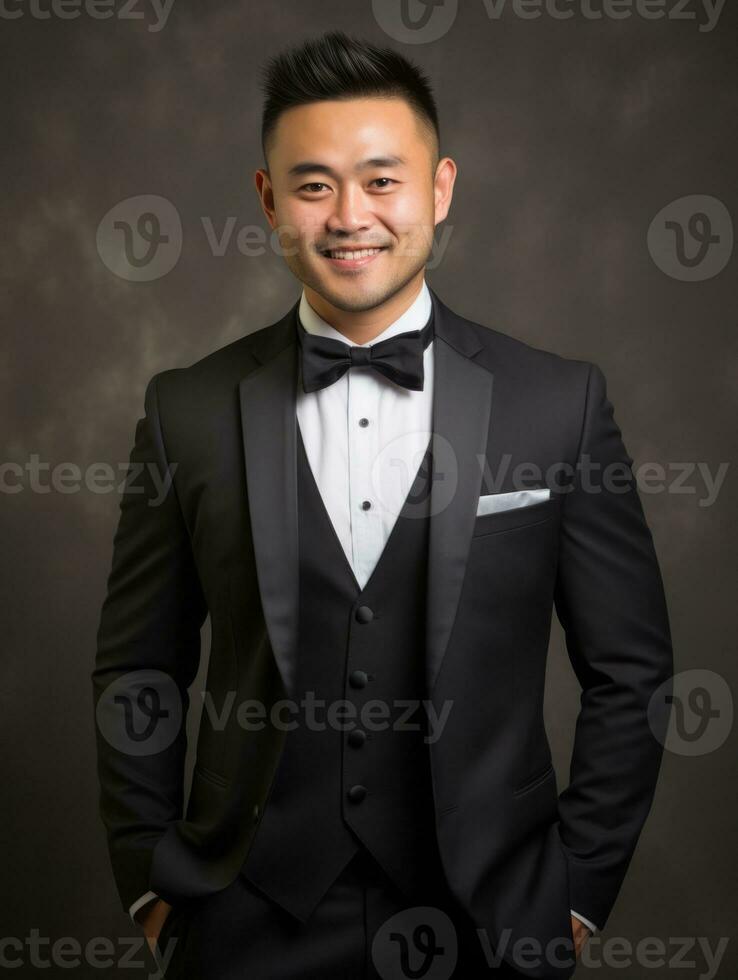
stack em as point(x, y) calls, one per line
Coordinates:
point(590, 925)
point(139, 903)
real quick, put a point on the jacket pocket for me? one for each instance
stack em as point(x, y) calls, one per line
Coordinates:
point(166, 929)
point(532, 781)
point(507, 520)
point(211, 775)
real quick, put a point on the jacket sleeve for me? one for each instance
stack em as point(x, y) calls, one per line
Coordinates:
point(610, 601)
point(148, 650)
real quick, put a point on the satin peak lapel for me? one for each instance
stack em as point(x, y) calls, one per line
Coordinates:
point(461, 417)
point(269, 429)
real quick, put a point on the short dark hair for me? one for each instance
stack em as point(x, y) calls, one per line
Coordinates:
point(336, 66)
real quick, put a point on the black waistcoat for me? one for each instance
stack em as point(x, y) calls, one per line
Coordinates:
point(338, 790)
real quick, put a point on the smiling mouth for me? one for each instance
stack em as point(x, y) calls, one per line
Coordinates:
point(351, 254)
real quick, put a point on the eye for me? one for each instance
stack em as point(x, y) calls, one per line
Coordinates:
point(384, 182)
point(314, 188)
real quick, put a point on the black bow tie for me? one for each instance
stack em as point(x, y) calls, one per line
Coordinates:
point(399, 358)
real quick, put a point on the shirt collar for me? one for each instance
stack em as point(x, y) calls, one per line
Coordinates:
point(415, 317)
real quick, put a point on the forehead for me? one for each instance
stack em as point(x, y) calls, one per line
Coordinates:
point(343, 131)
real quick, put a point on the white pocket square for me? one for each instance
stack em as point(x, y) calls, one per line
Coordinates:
point(493, 503)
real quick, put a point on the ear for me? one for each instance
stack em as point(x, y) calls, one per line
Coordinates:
point(443, 185)
point(266, 195)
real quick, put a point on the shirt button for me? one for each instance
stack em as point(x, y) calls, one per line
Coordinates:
point(363, 423)
point(364, 614)
point(358, 679)
point(356, 738)
point(366, 504)
point(357, 794)
point(255, 813)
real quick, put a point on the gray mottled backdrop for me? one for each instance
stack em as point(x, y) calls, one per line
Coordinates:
point(572, 134)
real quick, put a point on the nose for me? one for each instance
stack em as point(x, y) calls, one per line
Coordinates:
point(349, 214)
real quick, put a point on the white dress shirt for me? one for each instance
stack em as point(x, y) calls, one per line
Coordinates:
point(374, 460)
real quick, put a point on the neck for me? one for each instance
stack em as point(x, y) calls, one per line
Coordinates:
point(362, 326)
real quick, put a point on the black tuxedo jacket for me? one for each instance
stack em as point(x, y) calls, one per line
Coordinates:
point(517, 854)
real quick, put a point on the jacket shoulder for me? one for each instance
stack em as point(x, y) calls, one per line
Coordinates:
point(508, 356)
point(218, 373)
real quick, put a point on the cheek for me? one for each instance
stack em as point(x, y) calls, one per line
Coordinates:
point(408, 215)
point(299, 221)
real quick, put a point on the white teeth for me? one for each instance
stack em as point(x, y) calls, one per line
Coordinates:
point(354, 254)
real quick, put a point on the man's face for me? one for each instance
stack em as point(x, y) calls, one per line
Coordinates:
point(354, 194)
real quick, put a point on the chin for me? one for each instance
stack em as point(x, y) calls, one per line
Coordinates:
point(357, 300)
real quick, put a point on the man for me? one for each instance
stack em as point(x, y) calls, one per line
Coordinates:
point(379, 504)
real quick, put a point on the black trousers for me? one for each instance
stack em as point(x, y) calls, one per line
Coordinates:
point(363, 929)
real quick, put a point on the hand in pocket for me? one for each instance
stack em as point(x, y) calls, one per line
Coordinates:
point(152, 919)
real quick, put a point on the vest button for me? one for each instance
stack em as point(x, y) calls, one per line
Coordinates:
point(364, 614)
point(358, 679)
point(255, 813)
point(356, 738)
point(357, 793)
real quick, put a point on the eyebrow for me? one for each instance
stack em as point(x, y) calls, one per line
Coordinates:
point(313, 166)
